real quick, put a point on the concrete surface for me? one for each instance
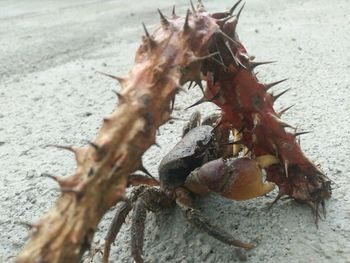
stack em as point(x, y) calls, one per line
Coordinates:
point(49, 93)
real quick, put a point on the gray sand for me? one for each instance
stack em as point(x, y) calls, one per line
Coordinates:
point(50, 94)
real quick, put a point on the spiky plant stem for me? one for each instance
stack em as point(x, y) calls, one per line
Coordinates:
point(162, 64)
point(248, 107)
point(66, 231)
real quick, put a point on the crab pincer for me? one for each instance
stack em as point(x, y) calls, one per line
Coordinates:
point(233, 178)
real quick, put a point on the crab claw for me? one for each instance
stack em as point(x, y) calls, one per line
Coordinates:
point(249, 180)
point(237, 179)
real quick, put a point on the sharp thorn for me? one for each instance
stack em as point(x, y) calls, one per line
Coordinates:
point(173, 12)
point(144, 170)
point(234, 7)
point(202, 100)
point(119, 79)
point(228, 48)
point(172, 104)
point(94, 145)
point(240, 11)
point(236, 60)
point(151, 42)
point(72, 149)
point(224, 20)
point(69, 148)
point(275, 97)
point(270, 85)
point(286, 168)
point(208, 56)
point(220, 63)
point(193, 8)
point(228, 38)
point(286, 125)
point(253, 64)
point(119, 95)
point(49, 176)
point(239, 63)
point(146, 31)
point(284, 110)
point(190, 85)
point(233, 142)
point(301, 133)
point(26, 224)
point(186, 24)
point(163, 19)
point(199, 84)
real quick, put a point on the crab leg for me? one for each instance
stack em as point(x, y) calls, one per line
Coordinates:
point(137, 230)
point(202, 223)
point(122, 212)
point(151, 199)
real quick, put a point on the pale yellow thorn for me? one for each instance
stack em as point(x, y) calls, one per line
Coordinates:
point(265, 161)
point(236, 137)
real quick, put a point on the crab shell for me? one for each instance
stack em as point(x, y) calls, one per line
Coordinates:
point(187, 155)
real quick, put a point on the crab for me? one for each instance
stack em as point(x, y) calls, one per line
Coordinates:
point(200, 163)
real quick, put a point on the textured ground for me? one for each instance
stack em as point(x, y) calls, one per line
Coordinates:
point(49, 93)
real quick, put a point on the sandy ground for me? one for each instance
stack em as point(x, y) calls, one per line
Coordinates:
point(50, 94)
